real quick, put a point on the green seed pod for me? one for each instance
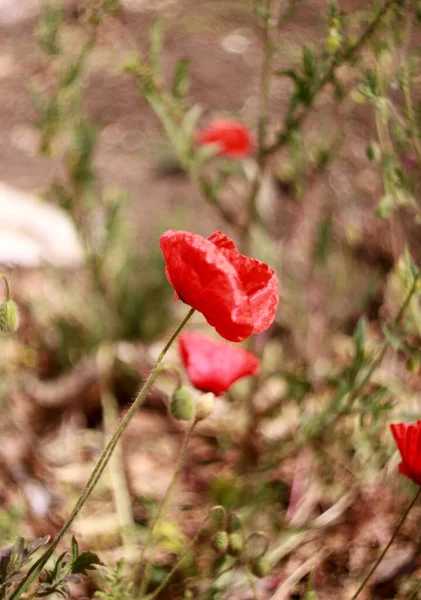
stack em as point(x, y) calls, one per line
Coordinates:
point(220, 542)
point(260, 566)
point(204, 406)
point(188, 595)
point(333, 42)
point(373, 152)
point(181, 405)
point(9, 316)
point(235, 544)
point(413, 363)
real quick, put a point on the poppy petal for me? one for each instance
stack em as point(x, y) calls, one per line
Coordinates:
point(232, 137)
point(205, 279)
point(408, 440)
point(215, 366)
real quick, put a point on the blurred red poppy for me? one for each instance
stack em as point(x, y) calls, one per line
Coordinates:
point(215, 366)
point(408, 440)
point(236, 294)
point(232, 137)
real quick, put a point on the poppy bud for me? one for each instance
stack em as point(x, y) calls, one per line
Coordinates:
point(235, 544)
point(260, 566)
point(204, 406)
point(373, 152)
point(9, 316)
point(182, 406)
point(188, 595)
point(333, 42)
point(220, 542)
point(413, 363)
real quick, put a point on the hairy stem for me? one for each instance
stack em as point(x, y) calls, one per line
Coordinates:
point(178, 564)
point(7, 284)
point(118, 481)
point(162, 505)
point(100, 466)
point(293, 123)
point(386, 548)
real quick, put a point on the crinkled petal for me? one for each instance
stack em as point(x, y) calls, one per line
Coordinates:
point(408, 440)
point(259, 282)
point(205, 279)
point(214, 366)
point(399, 433)
point(232, 137)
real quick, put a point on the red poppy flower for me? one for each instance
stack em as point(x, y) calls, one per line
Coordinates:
point(214, 366)
point(232, 137)
point(236, 294)
point(408, 440)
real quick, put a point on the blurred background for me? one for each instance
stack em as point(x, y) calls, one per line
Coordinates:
point(91, 174)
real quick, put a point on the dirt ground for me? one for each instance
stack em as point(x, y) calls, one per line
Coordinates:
point(223, 45)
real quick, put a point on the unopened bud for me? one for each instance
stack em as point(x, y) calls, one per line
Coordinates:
point(204, 406)
point(181, 405)
point(260, 566)
point(220, 542)
point(413, 363)
point(333, 42)
point(235, 544)
point(9, 316)
point(373, 152)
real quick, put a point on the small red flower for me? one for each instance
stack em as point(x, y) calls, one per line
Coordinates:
point(232, 137)
point(408, 440)
point(236, 294)
point(214, 366)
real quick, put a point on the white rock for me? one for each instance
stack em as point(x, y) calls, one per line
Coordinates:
point(33, 232)
point(13, 11)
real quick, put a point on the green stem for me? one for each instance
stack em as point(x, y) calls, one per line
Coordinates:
point(335, 411)
point(100, 466)
point(162, 505)
point(265, 81)
point(6, 281)
point(184, 556)
point(392, 539)
point(412, 117)
point(118, 481)
point(295, 122)
point(249, 574)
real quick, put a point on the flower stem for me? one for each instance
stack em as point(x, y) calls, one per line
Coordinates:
point(162, 505)
point(100, 466)
point(295, 122)
point(392, 539)
point(6, 281)
point(118, 481)
point(184, 556)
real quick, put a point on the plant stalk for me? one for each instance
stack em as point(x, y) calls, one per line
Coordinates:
point(100, 466)
point(162, 505)
point(386, 548)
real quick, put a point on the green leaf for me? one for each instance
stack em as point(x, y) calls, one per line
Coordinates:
point(84, 562)
point(155, 45)
point(360, 336)
point(181, 83)
point(75, 549)
point(36, 544)
point(324, 239)
point(190, 120)
point(17, 554)
point(48, 29)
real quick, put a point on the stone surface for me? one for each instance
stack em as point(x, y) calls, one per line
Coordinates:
point(13, 11)
point(33, 232)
